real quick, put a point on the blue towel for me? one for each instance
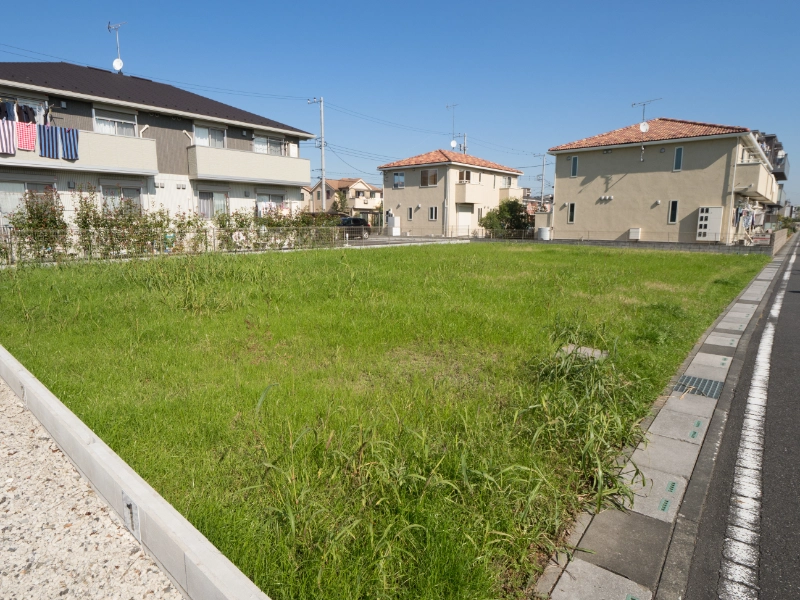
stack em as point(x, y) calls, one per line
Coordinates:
point(48, 141)
point(69, 143)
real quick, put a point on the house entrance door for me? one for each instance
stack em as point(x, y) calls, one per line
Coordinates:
point(464, 219)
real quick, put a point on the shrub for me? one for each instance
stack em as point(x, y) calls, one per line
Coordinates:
point(39, 222)
point(509, 215)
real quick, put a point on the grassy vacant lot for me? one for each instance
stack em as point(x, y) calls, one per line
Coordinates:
point(390, 423)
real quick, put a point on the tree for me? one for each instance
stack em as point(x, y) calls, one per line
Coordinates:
point(510, 214)
point(340, 204)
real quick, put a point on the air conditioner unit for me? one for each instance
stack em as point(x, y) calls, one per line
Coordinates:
point(635, 233)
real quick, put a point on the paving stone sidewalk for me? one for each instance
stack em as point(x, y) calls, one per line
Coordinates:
point(58, 539)
point(622, 554)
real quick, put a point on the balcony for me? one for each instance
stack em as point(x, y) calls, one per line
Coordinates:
point(755, 181)
point(511, 193)
point(99, 153)
point(780, 168)
point(222, 164)
point(467, 193)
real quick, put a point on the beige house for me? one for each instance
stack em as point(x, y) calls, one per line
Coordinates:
point(445, 193)
point(152, 143)
point(363, 199)
point(668, 180)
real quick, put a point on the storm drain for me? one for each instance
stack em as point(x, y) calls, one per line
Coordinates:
point(699, 386)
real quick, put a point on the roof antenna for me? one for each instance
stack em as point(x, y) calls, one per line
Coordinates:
point(117, 64)
point(453, 143)
point(644, 127)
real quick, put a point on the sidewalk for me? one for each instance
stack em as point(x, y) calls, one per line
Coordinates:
point(58, 538)
point(645, 552)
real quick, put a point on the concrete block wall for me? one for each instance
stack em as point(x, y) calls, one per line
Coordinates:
point(194, 565)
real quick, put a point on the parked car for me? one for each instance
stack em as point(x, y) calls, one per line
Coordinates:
point(356, 227)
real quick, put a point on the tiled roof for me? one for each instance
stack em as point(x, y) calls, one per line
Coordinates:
point(91, 81)
point(660, 129)
point(446, 156)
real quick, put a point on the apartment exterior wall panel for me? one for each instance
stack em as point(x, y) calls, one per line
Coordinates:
point(171, 141)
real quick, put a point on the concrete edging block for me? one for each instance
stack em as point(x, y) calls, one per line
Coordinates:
point(198, 569)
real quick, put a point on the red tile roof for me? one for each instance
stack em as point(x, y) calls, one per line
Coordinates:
point(447, 156)
point(660, 129)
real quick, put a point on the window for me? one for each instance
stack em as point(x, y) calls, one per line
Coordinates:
point(268, 145)
point(319, 194)
point(372, 194)
point(359, 194)
point(11, 194)
point(673, 212)
point(113, 197)
point(428, 177)
point(410, 213)
point(433, 213)
point(114, 123)
point(480, 214)
point(678, 159)
point(505, 181)
point(399, 180)
point(571, 212)
point(268, 203)
point(213, 203)
point(464, 176)
point(574, 167)
point(213, 138)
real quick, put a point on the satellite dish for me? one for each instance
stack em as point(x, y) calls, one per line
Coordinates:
point(117, 64)
point(453, 144)
point(644, 127)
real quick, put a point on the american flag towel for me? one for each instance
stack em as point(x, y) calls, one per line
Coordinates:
point(69, 143)
point(48, 141)
point(26, 136)
point(8, 137)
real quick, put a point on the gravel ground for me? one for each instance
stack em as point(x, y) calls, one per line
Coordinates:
point(58, 538)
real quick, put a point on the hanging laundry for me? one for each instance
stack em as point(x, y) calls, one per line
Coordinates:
point(758, 219)
point(8, 138)
point(7, 111)
point(69, 143)
point(48, 141)
point(26, 136)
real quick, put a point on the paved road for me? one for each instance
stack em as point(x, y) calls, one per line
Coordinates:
point(774, 564)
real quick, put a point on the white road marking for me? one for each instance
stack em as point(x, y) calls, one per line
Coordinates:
point(739, 570)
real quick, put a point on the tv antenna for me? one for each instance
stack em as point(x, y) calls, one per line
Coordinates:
point(644, 126)
point(453, 107)
point(117, 64)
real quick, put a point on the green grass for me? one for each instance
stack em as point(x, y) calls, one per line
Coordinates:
point(392, 423)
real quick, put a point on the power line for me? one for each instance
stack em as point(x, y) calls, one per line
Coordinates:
point(359, 115)
point(351, 166)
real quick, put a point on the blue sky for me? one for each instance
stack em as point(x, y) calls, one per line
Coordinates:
point(525, 75)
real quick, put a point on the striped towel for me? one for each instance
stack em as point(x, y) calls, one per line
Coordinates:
point(26, 136)
point(69, 143)
point(8, 137)
point(48, 141)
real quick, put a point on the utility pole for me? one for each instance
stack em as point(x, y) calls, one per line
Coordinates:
point(465, 143)
point(541, 194)
point(323, 187)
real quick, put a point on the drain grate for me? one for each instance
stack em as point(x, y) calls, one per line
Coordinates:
point(663, 506)
point(631, 597)
point(671, 487)
point(699, 386)
point(693, 434)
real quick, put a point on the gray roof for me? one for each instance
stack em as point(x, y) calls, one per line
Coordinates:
point(115, 86)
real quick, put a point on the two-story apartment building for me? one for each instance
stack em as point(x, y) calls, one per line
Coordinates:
point(444, 192)
point(363, 199)
point(154, 143)
point(666, 180)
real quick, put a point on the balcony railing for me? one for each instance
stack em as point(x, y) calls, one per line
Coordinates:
point(99, 153)
point(780, 168)
point(222, 164)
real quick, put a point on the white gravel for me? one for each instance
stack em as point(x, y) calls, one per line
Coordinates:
point(58, 538)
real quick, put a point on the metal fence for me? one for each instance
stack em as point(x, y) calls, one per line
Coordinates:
point(47, 245)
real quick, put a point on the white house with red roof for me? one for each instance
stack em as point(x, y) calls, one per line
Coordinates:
point(668, 180)
point(445, 193)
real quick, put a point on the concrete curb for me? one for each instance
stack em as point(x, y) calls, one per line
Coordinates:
point(674, 575)
point(195, 566)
